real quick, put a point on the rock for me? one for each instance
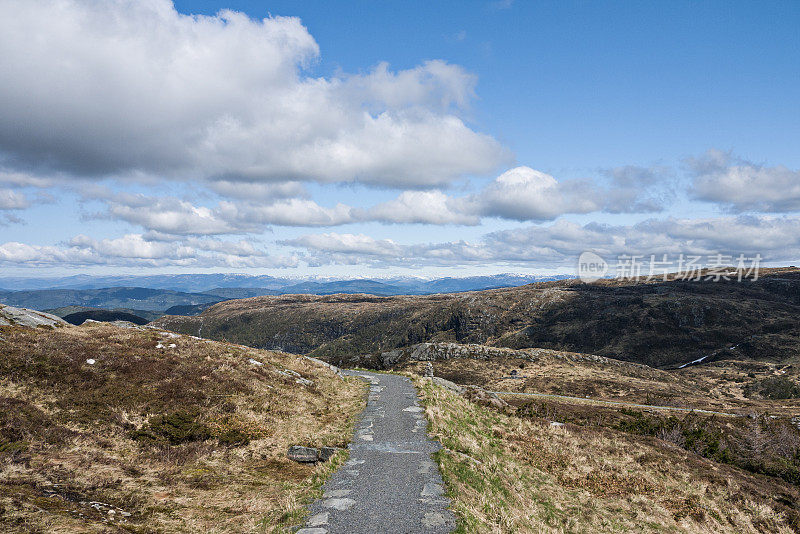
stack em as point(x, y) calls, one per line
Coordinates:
point(556, 424)
point(452, 386)
point(307, 455)
point(9, 315)
point(304, 455)
point(429, 370)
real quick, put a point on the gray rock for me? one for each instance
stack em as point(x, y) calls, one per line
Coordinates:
point(452, 386)
point(9, 315)
point(303, 454)
point(308, 455)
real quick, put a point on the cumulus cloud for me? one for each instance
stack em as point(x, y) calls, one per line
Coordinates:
point(289, 212)
point(170, 216)
point(428, 207)
point(138, 250)
point(525, 194)
point(111, 89)
point(559, 244)
point(741, 185)
point(259, 191)
point(12, 200)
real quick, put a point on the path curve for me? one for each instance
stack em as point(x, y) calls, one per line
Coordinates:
point(390, 484)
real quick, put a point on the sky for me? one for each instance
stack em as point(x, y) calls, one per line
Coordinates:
point(394, 138)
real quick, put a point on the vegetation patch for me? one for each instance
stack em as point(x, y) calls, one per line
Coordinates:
point(775, 388)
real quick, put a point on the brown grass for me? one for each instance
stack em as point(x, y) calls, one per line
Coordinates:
point(511, 474)
point(70, 432)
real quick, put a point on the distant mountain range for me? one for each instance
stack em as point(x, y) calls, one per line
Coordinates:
point(204, 283)
point(189, 294)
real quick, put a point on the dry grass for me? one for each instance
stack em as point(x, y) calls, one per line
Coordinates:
point(721, 386)
point(71, 432)
point(512, 474)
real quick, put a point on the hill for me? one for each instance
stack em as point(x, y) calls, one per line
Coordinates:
point(108, 316)
point(111, 429)
point(63, 311)
point(109, 298)
point(661, 324)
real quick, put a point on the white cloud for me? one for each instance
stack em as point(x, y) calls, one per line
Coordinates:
point(289, 212)
point(139, 251)
point(776, 239)
point(525, 194)
point(111, 88)
point(259, 191)
point(347, 243)
point(741, 185)
point(428, 207)
point(11, 200)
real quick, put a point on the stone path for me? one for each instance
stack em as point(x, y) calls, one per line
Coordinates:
point(389, 484)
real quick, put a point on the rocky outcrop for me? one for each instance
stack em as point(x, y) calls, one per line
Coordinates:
point(11, 316)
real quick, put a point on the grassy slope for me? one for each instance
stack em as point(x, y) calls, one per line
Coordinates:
point(67, 432)
point(512, 474)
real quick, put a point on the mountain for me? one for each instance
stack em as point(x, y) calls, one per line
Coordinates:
point(265, 285)
point(370, 287)
point(191, 294)
point(113, 297)
point(662, 324)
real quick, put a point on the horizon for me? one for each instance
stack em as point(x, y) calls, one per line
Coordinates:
point(465, 139)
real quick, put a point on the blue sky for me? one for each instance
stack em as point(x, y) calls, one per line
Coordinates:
point(375, 138)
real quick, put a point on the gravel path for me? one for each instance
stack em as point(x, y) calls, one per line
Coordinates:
point(389, 484)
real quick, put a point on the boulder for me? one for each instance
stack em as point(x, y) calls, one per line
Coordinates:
point(9, 315)
point(307, 455)
point(303, 455)
point(452, 386)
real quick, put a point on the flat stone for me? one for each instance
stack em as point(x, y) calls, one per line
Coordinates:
point(318, 520)
point(312, 531)
point(432, 489)
point(433, 519)
point(413, 409)
point(303, 454)
point(336, 493)
point(338, 504)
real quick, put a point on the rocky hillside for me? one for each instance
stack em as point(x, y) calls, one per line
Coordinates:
point(119, 428)
point(663, 324)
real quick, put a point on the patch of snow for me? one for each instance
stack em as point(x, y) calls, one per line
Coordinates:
point(91, 361)
point(255, 362)
point(698, 360)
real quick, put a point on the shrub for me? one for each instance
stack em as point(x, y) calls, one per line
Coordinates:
point(175, 428)
point(775, 388)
